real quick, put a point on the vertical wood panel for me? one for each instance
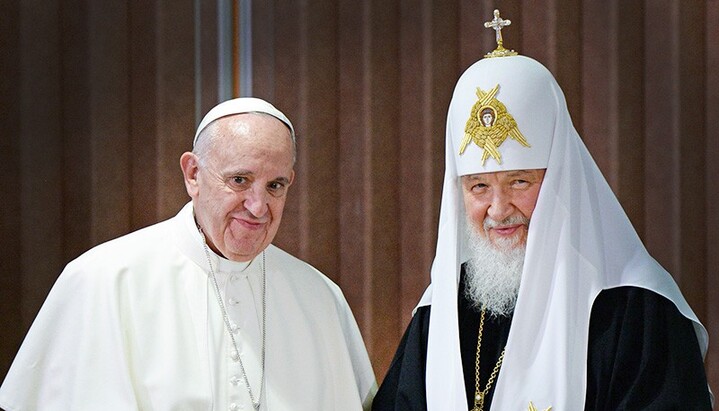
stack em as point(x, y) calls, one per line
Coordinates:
point(208, 58)
point(382, 165)
point(628, 93)
point(175, 85)
point(692, 138)
point(415, 152)
point(661, 146)
point(286, 29)
point(429, 67)
point(109, 120)
point(11, 301)
point(416, 46)
point(320, 210)
point(613, 96)
point(41, 149)
point(599, 77)
point(143, 124)
point(536, 30)
point(566, 34)
point(77, 195)
point(263, 51)
point(711, 318)
point(353, 179)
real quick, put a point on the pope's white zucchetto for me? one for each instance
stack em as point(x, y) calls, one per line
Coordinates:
point(242, 105)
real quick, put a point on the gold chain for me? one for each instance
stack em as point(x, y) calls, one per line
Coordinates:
point(480, 395)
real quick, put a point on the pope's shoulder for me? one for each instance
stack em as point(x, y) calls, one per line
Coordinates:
point(300, 273)
point(138, 247)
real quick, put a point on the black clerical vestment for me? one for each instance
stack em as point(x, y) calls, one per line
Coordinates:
point(642, 355)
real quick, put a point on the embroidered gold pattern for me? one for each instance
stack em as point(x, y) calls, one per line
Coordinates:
point(533, 408)
point(489, 125)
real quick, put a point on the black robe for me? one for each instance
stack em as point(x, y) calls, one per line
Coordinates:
point(642, 355)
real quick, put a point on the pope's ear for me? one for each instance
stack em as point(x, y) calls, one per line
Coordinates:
point(190, 167)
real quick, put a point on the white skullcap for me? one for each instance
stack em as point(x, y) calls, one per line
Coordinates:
point(242, 105)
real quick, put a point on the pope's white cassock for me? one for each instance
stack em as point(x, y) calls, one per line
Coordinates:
point(134, 324)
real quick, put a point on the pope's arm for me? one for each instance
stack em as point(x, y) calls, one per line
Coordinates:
point(73, 355)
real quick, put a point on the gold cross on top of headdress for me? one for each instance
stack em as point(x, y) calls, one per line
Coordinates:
point(498, 23)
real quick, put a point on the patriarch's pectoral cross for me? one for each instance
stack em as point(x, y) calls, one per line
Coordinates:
point(498, 24)
point(478, 402)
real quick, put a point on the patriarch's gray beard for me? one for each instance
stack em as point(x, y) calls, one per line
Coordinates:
point(493, 272)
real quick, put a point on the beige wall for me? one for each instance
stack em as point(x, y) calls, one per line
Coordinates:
point(99, 100)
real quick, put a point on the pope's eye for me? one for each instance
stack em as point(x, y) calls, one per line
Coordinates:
point(276, 188)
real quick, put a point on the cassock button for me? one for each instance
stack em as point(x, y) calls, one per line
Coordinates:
point(235, 380)
point(234, 407)
point(235, 356)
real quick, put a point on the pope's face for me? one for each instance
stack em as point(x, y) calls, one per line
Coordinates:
point(240, 185)
point(500, 204)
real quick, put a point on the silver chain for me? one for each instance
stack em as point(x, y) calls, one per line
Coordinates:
point(255, 404)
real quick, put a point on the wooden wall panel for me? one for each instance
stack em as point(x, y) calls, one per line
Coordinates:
point(711, 318)
point(627, 142)
point(76, 134)
point(286, 34)
point(613, 98)
point(109, 115)
point(206, 59)
point(175, 84)
point(599, 78)
point(143, 120)
point(41, 208)
point(320, 151)
point(354, 178)
point(661, 148)
point(429, 58)
point(369, 142)
point(692, 137)
point(11, 276)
